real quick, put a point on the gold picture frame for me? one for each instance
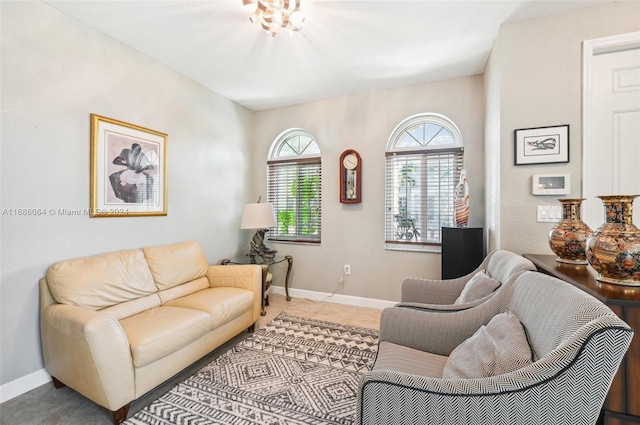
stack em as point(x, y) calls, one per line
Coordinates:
point(128, 169)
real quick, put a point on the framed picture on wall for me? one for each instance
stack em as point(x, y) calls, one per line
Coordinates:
point(128, 169)
point(542, 145)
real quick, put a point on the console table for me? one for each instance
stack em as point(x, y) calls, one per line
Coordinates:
point(264, 263)
point(622, 405)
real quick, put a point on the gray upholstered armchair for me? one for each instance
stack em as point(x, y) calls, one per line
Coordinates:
point(575, 345)
point(500, 265)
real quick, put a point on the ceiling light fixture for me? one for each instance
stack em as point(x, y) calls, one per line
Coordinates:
point(275, 15)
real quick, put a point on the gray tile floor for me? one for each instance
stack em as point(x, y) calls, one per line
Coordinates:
point(46, 405)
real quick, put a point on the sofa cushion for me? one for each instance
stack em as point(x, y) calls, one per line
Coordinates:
point(130, 308)
point(184, 289)
point(162, 330)
point(408, 360)
point(479, 286)
point(222, 304)
point(499, 347)
point(175, 264)
point(102, 280)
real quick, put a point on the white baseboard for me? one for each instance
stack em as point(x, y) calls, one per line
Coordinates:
point(23, 385)
point(336, 298)
point(34, 380)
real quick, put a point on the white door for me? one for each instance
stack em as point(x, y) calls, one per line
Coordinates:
point(612, 130)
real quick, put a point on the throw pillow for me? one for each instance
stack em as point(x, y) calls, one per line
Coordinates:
point(499, 347)
point(480, 285)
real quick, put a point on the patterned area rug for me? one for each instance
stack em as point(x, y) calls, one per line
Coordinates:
point(292, 371)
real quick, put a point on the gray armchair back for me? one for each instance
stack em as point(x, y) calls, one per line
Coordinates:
point(502, 265)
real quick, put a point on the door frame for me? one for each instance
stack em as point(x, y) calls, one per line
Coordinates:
point(590, 48)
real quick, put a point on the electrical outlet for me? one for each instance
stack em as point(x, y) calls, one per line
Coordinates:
point(347, 269)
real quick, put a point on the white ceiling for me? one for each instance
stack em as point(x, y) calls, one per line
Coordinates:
point(345, 47)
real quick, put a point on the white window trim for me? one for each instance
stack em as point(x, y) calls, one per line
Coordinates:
point(285, 135)
point(420, 119)
point(407, 123)
point(273, 157)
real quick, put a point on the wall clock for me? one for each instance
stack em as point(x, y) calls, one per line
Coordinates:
point(350, 177)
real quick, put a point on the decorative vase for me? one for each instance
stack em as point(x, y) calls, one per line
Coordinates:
point(461, 201)
point(568, 238)
point(614, 248)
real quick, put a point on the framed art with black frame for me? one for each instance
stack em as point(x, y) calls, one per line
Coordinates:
point(542, 145)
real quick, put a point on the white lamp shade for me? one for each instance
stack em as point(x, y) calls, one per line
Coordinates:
point(257, 216)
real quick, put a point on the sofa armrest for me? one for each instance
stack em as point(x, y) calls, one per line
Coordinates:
point(444, 307)
point(431, 291)
point(247, 276)
point(89, 352)
point(437, 332)
point(239, 276)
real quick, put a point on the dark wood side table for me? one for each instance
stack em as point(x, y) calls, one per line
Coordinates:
point(622, 405)
point(265, 263)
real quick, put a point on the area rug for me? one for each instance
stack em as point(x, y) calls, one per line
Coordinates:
point(292, 371)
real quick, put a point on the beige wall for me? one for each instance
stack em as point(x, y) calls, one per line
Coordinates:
point(354, 234)
point(55, 73)
point(538, 64)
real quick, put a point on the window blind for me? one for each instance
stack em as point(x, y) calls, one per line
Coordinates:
point(294, 191)
point(419, 194)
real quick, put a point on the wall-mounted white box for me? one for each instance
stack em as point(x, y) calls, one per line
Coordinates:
point(551, 184)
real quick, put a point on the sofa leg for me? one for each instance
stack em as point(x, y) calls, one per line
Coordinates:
point(120, 415)
point(57, 384)
point(251, 328)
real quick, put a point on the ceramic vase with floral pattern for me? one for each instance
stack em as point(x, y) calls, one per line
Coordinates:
point(614, 248)
point(568, 238)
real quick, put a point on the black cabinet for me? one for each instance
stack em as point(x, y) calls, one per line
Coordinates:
point(462, 250)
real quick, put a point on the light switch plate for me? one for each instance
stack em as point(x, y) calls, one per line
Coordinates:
point(549, 214)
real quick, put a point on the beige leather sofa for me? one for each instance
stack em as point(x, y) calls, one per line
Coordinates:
point(116, 325)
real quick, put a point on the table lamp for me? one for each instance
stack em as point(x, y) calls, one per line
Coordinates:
point(258, 216)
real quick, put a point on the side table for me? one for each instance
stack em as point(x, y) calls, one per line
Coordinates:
point(264, 263)
point(622, 405)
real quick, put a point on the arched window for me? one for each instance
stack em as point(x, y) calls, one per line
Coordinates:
point(294, 174)
point(424, 157)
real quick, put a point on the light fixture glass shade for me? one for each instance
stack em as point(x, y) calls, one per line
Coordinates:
point(258, 216)
point(275, 15)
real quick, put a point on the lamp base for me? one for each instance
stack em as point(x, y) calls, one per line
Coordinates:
point(258, 247)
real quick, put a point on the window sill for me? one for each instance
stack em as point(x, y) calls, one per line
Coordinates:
point(433, 249)
point(297, 242)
